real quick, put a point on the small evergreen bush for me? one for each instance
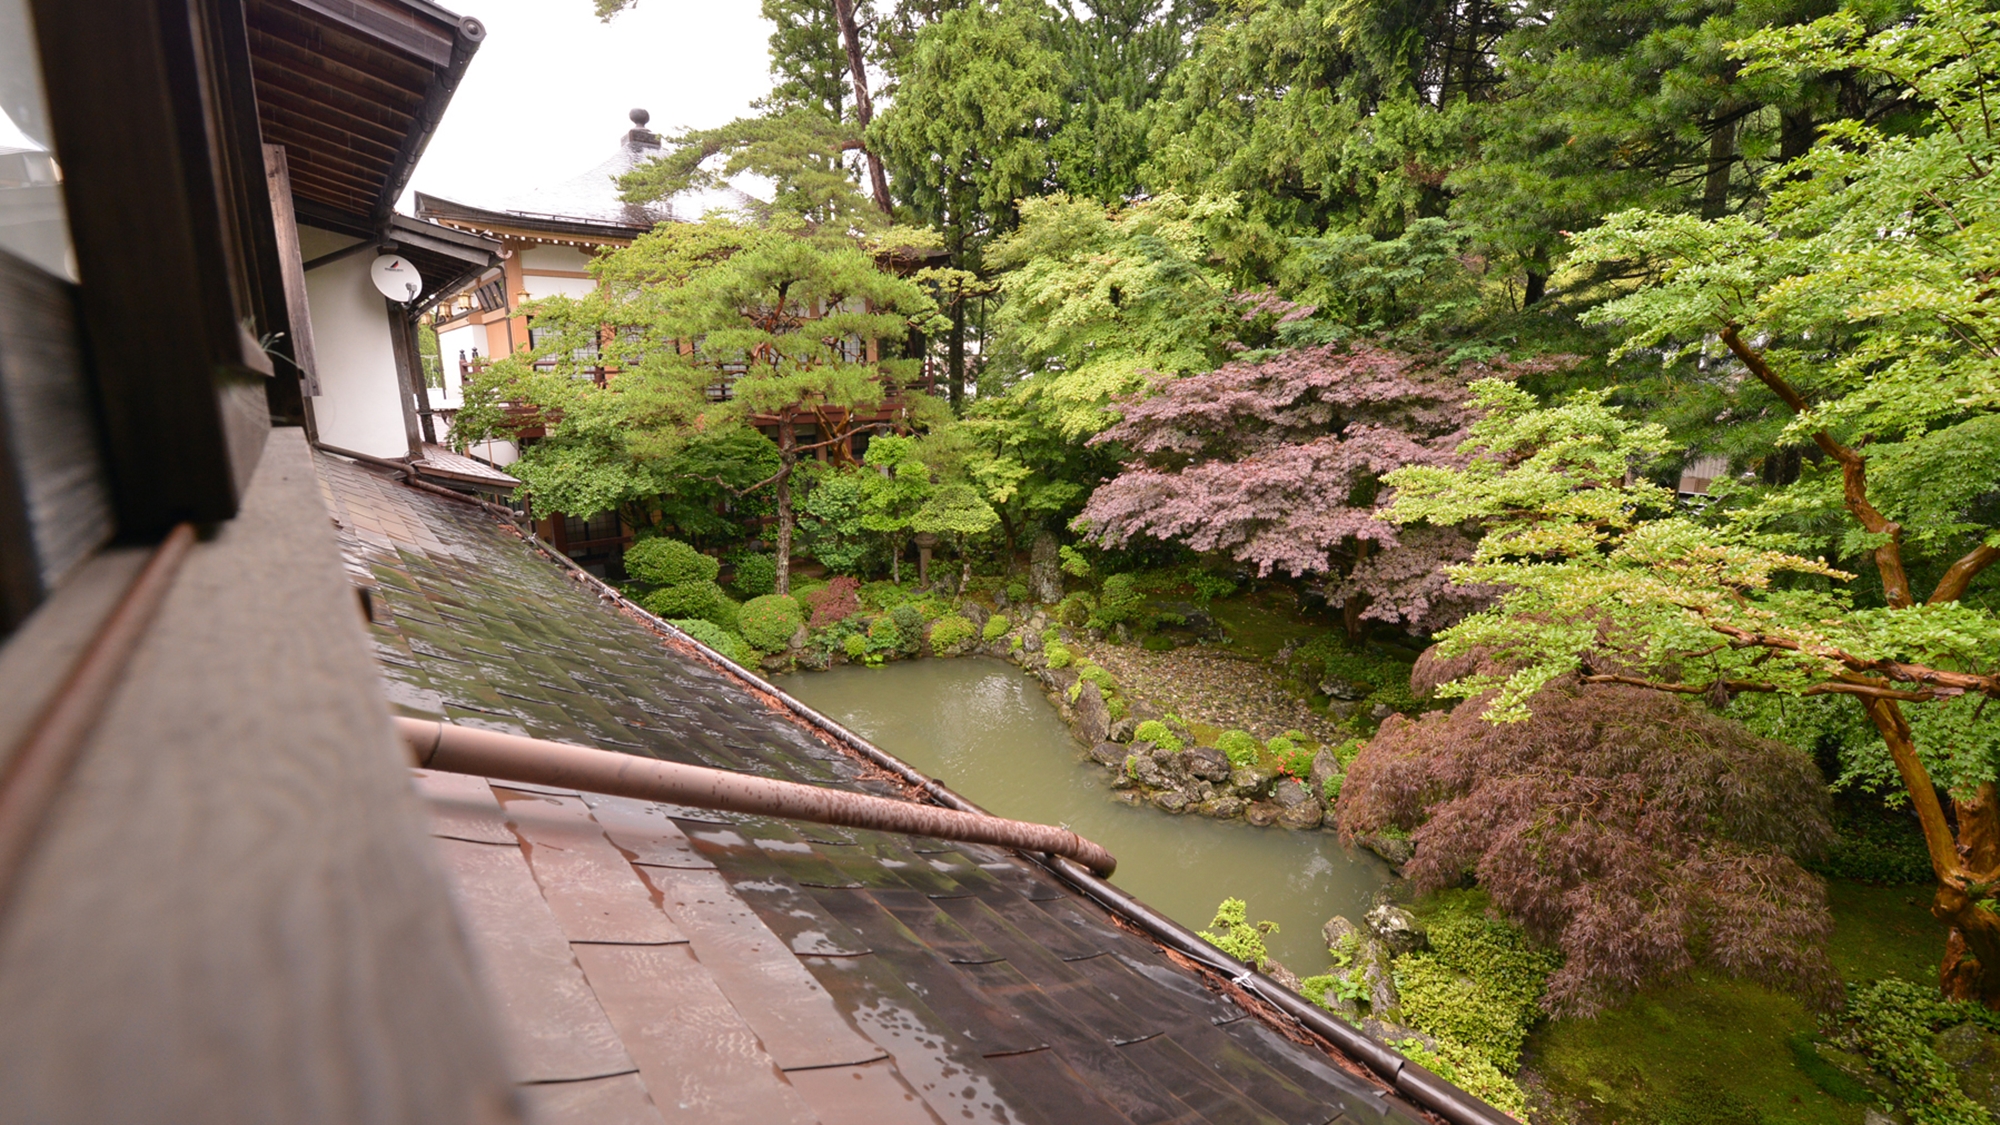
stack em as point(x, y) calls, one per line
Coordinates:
point(769, 622)
point(931, 606)
point(1470, 1072)
point(1017, 592)
point(756, 575)
point(950, 632)
point(856, 646)
point(1237, 937)
point(910, 623)
point(1057, 654)
point(1156, 732)
point(717, 638)
point(1091, 673)
point(1209, 586)
point(1479, 985)
point(1119, 601)
point(1075, 609)
point(726, 612)
point(1239, 746)
point(1297, 761)
point(669, 562)
point(685, 599)
point(883, 635)
point(996, 627)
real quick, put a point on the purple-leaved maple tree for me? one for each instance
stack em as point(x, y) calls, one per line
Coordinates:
point(1275, 463)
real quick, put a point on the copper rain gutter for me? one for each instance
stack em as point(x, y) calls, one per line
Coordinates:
point(512, 757)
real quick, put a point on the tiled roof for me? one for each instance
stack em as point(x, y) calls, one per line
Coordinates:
point(456, 468)
point(658, 963)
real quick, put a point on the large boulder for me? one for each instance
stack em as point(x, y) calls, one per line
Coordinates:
point(1278, 972)
point(1170, 800)
point(1397, 929)
point(1337, 930)
point(1045, 570)
point(1324, 765)
point(1208, 763)
point(1383, 1000)
point(1250, 781)
point(1335, 688)
point(975, 613)
point(1108, 754)
point(1398, 850)
point(1974, 1055)
point(1031, 640)
point(1093, 717)
point(1122, 730)
point(1222, 808)
point(1262, 813)
point(1302, 816)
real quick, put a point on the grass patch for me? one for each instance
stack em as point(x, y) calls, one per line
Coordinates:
point(1709, 1050)
point(1261, 622)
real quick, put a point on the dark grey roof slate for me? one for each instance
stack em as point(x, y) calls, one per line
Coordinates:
point(682, 964)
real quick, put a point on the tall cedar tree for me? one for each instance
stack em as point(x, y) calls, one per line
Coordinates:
point(1278, 464)
point(1861, 302)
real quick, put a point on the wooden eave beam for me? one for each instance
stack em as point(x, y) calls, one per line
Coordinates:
point(392, 24)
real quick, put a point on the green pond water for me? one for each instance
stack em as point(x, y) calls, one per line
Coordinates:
point(983, 727)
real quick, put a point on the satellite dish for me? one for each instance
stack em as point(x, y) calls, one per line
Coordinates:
point(396, 278)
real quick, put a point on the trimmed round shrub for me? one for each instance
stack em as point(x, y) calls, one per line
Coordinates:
point(834, 602)
point(769, 622)
point(1240, 746)
point(717, 638)
point(1156, 732)
point(996, 627)
point(669, 562)
point(756, 575)
point(726, 612)
point(883, 635)
point(687, 599)
point(1075, 609)
point(950, 632)
point(1092, 674)
point(1119, 601)
point(1017, 592)
point(856, 646)
point(1057, 654)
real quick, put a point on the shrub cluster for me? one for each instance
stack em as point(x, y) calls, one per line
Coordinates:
point(883, 635)
point(1156, 732)
point(996, 627)
point(1479, 985)
point(684, 599)
point(1895, 1020)
point(770, 621)
point(950, 632)
point(1057, 654)
point(669, 562)
point(1119, 602)
point(856, 646)
point(883, 595)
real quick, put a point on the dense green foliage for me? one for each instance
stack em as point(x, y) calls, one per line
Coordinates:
point(1479, 985)
point(1894, 1021)
point(951, 632)
point(1157, 733)
point(717, 638)
point(1232, 932)
point(1239, 746)
point(769, 622)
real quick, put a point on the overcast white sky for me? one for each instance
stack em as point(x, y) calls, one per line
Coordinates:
point(546, 96)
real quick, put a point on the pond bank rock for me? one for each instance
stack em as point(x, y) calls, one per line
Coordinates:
point(1396, 849)
point(1208, 763)
point(1093, 718)
point(1397, 929)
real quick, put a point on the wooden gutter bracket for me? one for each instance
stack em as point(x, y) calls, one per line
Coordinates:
point(513, 757)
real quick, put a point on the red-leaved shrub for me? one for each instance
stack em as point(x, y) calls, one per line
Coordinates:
point(1638, 834)
point(838, 600)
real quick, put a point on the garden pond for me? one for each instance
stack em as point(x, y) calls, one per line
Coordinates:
point(983, 727)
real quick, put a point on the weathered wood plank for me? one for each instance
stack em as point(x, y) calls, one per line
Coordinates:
point(234, 915)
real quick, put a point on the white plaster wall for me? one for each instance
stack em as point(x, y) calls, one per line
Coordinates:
point(539, 287)
point(359, 406)
point(465, 338)
point(553, 258)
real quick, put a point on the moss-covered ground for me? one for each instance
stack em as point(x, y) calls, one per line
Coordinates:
point(1714, 1051)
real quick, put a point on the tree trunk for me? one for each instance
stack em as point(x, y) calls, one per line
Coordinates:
point(1721, 159)
point(1537, 285)
point(1965, 866)
point(955, 355)
point(788, 458)
point(864, 109)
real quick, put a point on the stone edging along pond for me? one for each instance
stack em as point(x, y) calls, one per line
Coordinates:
point(1188, 778)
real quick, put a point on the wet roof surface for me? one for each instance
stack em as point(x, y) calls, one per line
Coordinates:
point(657, 963)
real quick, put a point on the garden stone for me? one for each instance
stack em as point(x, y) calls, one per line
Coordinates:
point(1221, 808)
point(1060, 679)
point(1147, 771)
point(1381, 711)
point(1261, 813)
point(814, 660)
point(1336, 929)
point(800, 637)
point(1398, 929)
point(1291, 793)
point(1142, 748)
point(1380, 981)
point(1039, 623)
point(1131, 796)
point(1278, 972)
point(1388, 1031)
point(1208, 763)
point(1974, 1053)
point(1303, 816)
point(1122, 730)
point(1108, 754)
point(1170, 801)
point(1250, 781)
point(1031, 641)
point(1341, 690)
point(1122, 780)
point(1045, 570)
point(1325, 765)
point(1340, 712)
point(1093, 718)
point(975, 613)
point(1396, 850)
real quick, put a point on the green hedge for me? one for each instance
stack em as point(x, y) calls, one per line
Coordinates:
point(685, 599)
point(951, 631)
point(719, 639)
point(756, 575)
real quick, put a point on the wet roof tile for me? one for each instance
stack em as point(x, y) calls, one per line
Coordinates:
point(752, 969)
